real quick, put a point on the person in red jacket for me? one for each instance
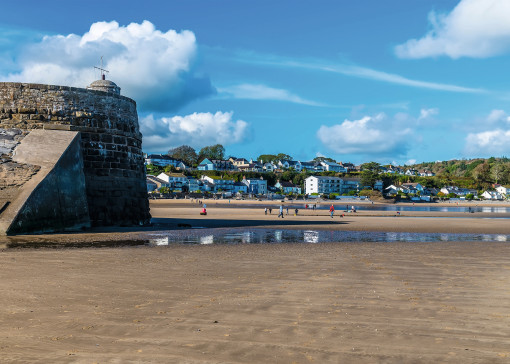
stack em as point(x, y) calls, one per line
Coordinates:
point(332, 210)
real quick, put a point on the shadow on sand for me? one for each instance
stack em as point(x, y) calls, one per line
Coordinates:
point(172, 223)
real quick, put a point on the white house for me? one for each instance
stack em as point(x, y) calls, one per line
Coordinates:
point(333, 167)
point(269, 167)
point(391, 190)
point(503, 190)
point(457, 190)
point(175, 180)
point(427, 173)
point(492, 195)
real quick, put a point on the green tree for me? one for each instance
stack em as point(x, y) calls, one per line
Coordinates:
point(267, 158)
point(170, 169)
point(153, 169)
point(482, 175)
point(369, 173)
point(283, 156)
point(184, 153)
point(498, 171)
point(216, 151)
point(321, 159)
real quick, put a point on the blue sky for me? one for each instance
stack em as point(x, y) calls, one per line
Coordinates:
point(390, 81)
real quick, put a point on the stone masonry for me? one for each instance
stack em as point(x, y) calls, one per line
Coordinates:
point(110, 139)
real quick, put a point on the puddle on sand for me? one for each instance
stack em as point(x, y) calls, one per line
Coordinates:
point(275, 236)
point(261, 236)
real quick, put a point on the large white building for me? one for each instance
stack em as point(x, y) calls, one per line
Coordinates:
point(324, 185)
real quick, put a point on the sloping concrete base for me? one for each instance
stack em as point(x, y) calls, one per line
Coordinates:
point(54, 199)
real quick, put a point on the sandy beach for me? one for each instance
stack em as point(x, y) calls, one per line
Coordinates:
point(276, 303)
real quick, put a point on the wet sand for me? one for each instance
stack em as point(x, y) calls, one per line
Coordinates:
point(297, 303)
point(293, 303)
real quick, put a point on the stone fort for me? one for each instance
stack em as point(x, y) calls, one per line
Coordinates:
point(70, 158)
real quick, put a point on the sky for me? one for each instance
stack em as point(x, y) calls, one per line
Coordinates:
point(392, 81)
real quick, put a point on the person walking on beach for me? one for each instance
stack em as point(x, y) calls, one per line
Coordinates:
point(287, 211)
point(281, 211)
point(265, 211)
point(332, 210)
point(270, 210)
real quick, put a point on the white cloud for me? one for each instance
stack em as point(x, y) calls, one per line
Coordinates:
point(197, 130)
point(494, 140)
point(153, 67)
point(410, 162)
point(263, 92)
point(474, 28)
point(427, 113)
point(497, 116)
point(354, 71)
point(371, 135)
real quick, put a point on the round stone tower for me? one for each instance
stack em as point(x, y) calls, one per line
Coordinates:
point(110, 138)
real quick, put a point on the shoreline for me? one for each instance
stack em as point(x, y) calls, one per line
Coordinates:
point(172, 215)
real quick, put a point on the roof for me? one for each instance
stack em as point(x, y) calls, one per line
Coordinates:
point(156, 179)
point(105, 86)
point(288, 184)
point(160, 156)
point(175, 174)
point(411, 184)
point(327, 177)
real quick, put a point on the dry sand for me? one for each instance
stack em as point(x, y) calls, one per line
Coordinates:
point(267, 303)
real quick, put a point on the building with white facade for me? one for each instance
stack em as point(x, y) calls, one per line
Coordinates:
point(324, 185)
point(175, 180)
point(256, 186)
point(220, 184)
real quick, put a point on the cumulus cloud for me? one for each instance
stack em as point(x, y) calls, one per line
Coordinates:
point(427, 113)
point(377, 135)
point(263, 92)
point(494, 140)
point(474, 28)
point(155, 68)
point(196, 130)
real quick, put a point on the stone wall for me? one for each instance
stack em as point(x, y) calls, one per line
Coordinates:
point(110, 137)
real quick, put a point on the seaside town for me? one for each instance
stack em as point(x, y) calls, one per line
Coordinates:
point(249, 182)
point(207, 174)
